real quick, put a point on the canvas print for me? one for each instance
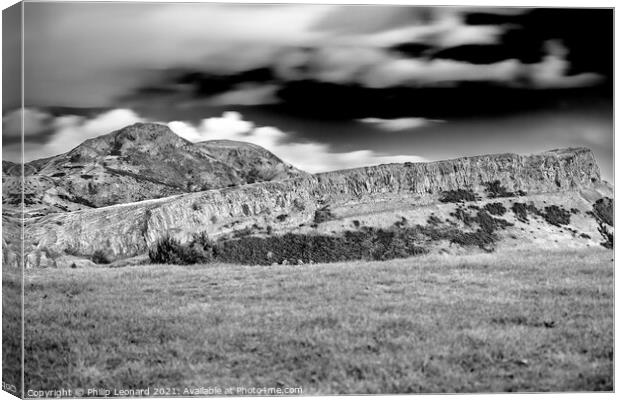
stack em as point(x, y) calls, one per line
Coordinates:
point(227, 199)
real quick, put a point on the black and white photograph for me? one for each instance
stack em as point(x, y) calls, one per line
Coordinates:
point(204, 199)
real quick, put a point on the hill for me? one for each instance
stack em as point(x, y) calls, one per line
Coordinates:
point(140, 162)
point(404, 200)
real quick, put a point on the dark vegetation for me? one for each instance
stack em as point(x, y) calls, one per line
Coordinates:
point(116, 149)
point(554, 215)
point(323, 214)
point(170, 251)
point(492, 189)
point(100, 257)
point(367, 244)
point(72, 251)
point(401, 223)
point(495, 190)
point(29, 198)
point(495, 209)
point(521, 211)
point(457, 196)
point(78, 199)
point(433, 220)
point(607, 235)
point(483, 237)
point(603, 210)
point(603, 213)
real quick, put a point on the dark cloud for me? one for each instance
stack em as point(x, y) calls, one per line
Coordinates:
point(490, 54)
point(510, 60)
point(415, 50)
point(325, 100)
point(587, 33)
point(315, 72)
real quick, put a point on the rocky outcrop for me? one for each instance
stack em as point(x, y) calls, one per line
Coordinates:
point(129, 229)
point(139, 162)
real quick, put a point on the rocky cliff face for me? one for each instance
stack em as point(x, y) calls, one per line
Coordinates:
point(129, 229)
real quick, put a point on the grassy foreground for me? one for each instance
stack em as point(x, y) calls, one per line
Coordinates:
point(512, 321)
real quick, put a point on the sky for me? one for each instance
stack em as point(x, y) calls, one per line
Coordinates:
point(323, 87)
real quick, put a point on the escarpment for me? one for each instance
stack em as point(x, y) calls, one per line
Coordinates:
point(550, 171)
point(127, 230)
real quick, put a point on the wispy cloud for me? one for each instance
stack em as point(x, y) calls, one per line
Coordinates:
point(90, 53)
point(399, 124)
point(69, 131)
point(309, 156)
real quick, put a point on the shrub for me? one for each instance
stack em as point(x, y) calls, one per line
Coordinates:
point(486, 222)
point(169, 251)
point(100, 257)
point(495, 189)
point(556, 216)
point(607, 235)
point(463, 216)
point(202, 247)
point(521, 211)
point(72, 250)
point(282, 217)
point(116, 149)
point(495, 208)
point(433, 220)
point(243, 232)
point(457, 196)
point(603, 210)
point(401, 223)
point(323, 214)
point(370, 244)
point(479, 238)
point(490, 224)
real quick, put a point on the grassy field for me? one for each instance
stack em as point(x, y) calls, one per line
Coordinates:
point(515, 321)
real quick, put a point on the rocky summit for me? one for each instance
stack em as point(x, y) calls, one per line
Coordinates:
point(140, 162)
point(447, 202)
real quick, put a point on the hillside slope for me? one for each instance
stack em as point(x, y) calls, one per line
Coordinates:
point(140, 162)
point(568, 177)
